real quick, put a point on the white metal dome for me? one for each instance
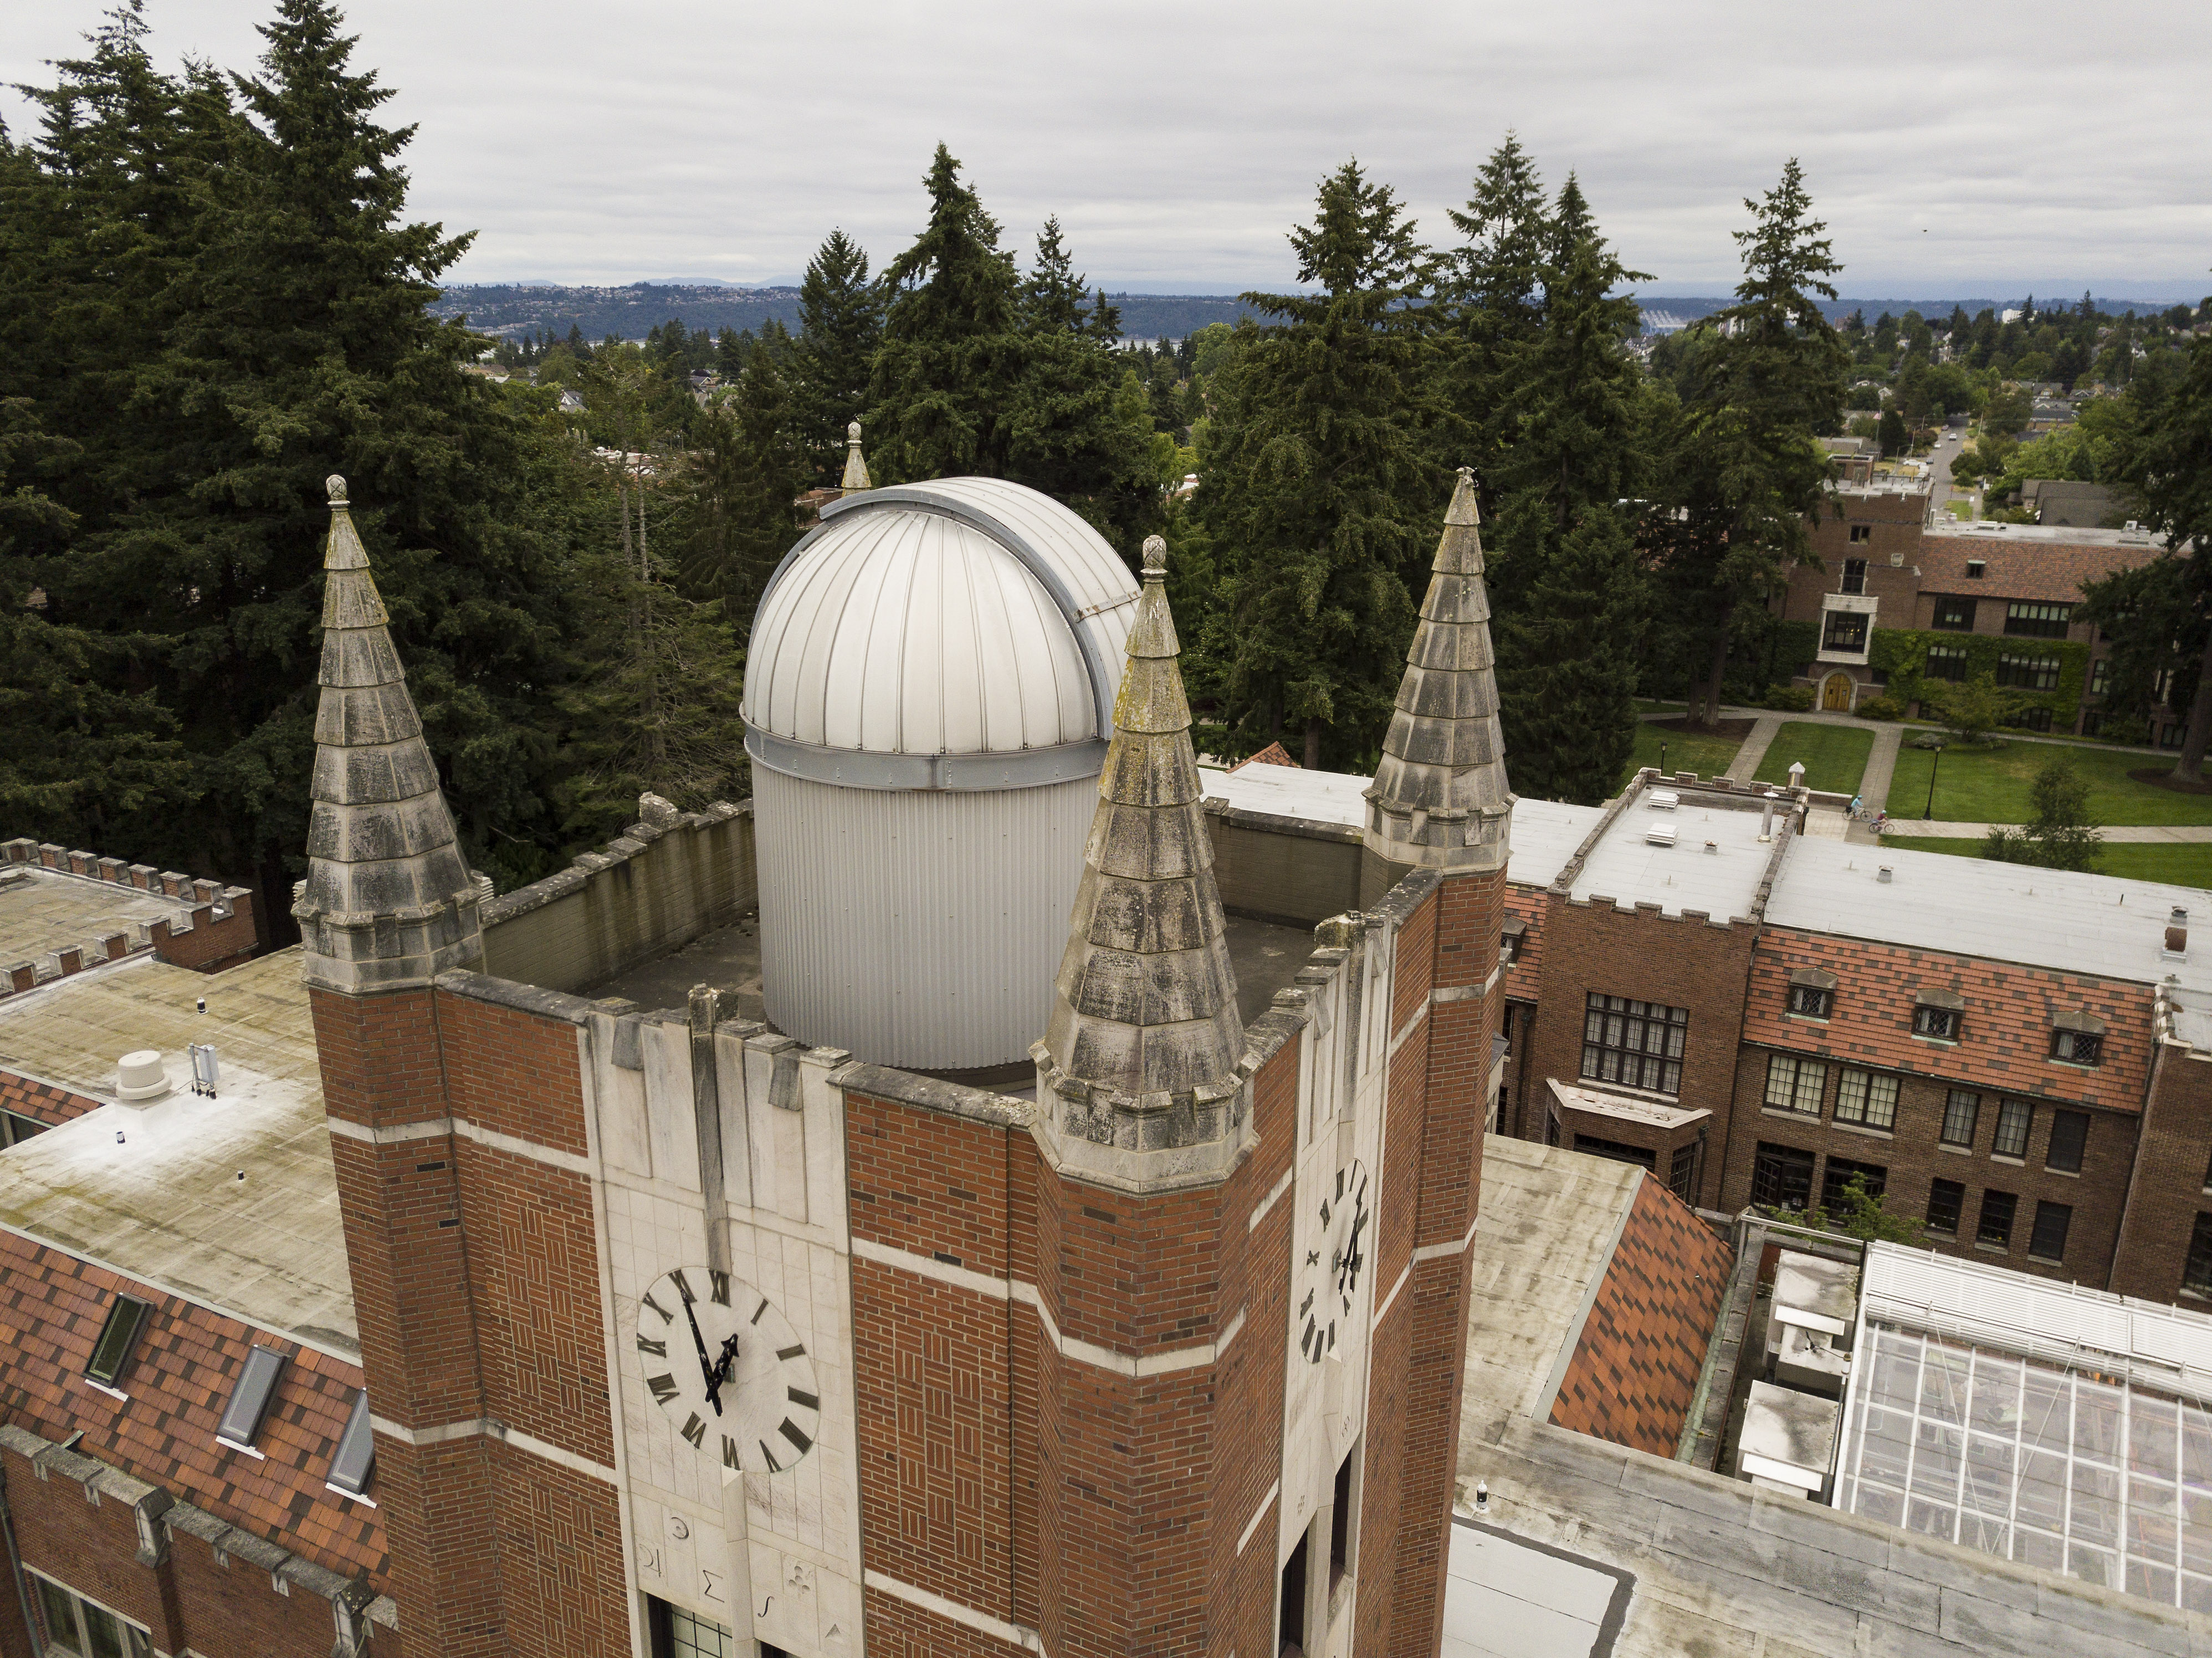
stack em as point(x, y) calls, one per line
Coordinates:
point(960, 634)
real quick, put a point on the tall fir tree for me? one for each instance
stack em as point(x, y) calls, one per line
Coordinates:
point(1493, 301)
point(735, 507)
point(951, 354)
point(1321, 492)
point(841, 324)
point(1568, 605)
point(1743, 476)
point(258, 322)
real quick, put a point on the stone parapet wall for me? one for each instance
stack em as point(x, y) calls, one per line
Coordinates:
point(667, 880)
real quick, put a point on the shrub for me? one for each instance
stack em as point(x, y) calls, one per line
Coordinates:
point(1881, 707)
point(1787, 699)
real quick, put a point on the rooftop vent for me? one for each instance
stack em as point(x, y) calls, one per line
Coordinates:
point(1661, 835)
point(2176, 934)
point(1664, 800)
point(1881, 874)
point(140, 1078)
point(1712, 845)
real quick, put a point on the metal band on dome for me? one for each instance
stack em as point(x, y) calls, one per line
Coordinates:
point(858, 769)
point(919, 497)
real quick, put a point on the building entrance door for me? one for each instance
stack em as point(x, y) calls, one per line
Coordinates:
point(1835, 694)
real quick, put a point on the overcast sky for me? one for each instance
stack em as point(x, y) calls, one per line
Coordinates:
point(1957, 150)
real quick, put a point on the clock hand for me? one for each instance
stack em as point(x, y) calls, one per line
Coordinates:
point(706, 1365)
point(726, 1367)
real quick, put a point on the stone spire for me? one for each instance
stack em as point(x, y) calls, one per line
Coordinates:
point(1440, 799)
point(1142, 1048)
point(856, 467)
point(388, 902)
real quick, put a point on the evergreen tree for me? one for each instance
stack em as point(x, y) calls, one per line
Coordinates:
point(1053, 293)
point(1493, 297)
point(2059, 833)
point(839, 329)
point(1319, 491)
point(1568, 604)
point(236, 308)
point(1743, 476)
point(736, 505)
point(951, 354)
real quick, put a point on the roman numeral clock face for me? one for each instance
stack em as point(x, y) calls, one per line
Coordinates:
point(1328, 1276)
point(729, 1371)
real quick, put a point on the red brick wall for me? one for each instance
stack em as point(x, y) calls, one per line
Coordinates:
point(2169, 1182)
point(897, 1629)
point(1595, 948)
point(223, 1612)
point(212, 945)
point(41, 1102)
point(1635, 1369)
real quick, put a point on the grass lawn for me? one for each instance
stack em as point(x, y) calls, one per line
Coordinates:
point(1695, 751)
point(1835, 756)
point(1991, 786)
point(2184, 866)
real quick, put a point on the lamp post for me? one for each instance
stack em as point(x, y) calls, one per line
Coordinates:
point(1928, 815)
point(1663, 760)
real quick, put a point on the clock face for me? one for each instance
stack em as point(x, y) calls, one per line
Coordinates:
point(729, 1371)
point(1329, 1276)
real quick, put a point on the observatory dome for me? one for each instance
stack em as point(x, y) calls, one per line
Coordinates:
point(929, 694)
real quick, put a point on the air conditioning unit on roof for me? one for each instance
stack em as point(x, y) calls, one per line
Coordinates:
point(1661, 835)
point(1664, 800)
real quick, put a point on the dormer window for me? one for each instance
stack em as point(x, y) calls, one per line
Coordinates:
point(2077, 1039)
point(1812, 993)
point(1939, 1014)
point(1975, 569)
point(1509, 941)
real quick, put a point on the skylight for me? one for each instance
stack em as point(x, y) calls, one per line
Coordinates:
point(356, 1459)
point(118, 1339)
point(249, 1399)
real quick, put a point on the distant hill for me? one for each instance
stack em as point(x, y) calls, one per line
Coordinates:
point(515, 308)
point(1663, 312)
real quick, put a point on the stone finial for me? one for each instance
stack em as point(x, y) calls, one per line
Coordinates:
point(335, 486)
point(856, 467)
point(1440, 799)
point(388, 902)
point(1140, 1053)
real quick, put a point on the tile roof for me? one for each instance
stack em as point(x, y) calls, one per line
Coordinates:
point(51, 1308)
point(2006, 1039)
point(1635, 1369)
point(1527, 905)
point(41, 1102)
point(2038, 569)
point(1273, 755)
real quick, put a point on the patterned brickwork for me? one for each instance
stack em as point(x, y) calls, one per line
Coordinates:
point(1635, 1369)
point(42, 1102)
point(2171, 1173)
point(898, 1629)
point(1525, 975)
point(52, 1310)
point(2005, 1042)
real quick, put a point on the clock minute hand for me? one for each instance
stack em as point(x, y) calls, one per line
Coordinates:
point(706, 1365)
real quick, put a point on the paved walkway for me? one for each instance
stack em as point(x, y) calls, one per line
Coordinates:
point(2158, 835)
point(1744, 768)
point(1914, 728)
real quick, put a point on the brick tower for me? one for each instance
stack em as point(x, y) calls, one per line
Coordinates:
point(388, 906)
point(1440, 801)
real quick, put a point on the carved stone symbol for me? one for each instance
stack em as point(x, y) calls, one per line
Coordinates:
point(676, 1527)
point(799, 1579)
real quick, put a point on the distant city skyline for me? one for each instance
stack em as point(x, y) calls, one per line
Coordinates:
point(1177, 147)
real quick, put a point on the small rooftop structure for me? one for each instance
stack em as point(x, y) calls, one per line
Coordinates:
point(1716, 864)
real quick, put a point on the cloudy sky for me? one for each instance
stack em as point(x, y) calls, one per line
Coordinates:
point(1969, 149)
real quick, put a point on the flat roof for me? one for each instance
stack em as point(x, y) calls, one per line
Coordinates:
point(1545, 835)
point(1626, 1107)
point(2074, 923)
point(165, 1204)
point(2064, 535)
point(1722, 882)
point(1316, 797)
point(43, 910)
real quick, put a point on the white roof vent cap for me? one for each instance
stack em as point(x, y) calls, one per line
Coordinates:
point(140, 1077)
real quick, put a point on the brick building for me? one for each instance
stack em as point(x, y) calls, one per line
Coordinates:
point(1890, 588)
point(515, 1285)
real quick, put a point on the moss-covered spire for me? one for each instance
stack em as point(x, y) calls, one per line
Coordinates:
point(388, 902)
point(1440, 799)
point(1143, 1045)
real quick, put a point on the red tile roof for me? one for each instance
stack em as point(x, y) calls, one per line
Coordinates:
point(1526, 905)
point(1635, 1370)
point(41, 1102)
point(2048, 570)
point(1273, 755)
point(51, 1308)
point(2004, 1042)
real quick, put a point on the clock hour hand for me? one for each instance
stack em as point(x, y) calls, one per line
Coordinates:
point(706, 1365)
